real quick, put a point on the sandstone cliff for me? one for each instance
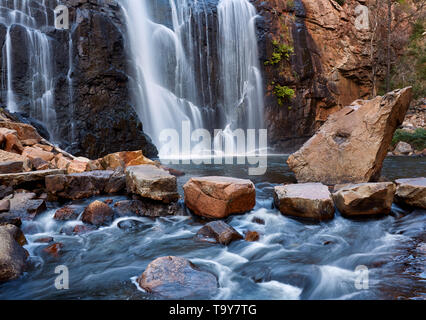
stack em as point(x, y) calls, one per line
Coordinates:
point(329, 68)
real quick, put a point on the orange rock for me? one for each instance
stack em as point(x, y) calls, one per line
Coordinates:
point(24, 131)
point(351, 146)
point(44, 147)
point(219, 197)
point(62, 162)
point(124, 159)
point(252, 236)
point(32, 153)
point(54, 249)
point(76, 166)
point(97, 213)
point(29, 142)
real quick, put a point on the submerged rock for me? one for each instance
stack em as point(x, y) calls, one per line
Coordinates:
point(24, 205)
point(82, 229)
point(218, 232)
point(66, 213)
point(411, 192)
point(44, 240)
point(305, 200)
point(352, 144)
point(252, 236)
point(54, 250)
point(177, 278)
point(365, 199)
point(151, 182)
point(98, 213)
point(12, 256)
point(147, 208)
point(219, 197)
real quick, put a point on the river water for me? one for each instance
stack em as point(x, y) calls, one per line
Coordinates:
point(292, 260)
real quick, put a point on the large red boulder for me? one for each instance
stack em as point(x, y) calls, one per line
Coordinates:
point(219, 197)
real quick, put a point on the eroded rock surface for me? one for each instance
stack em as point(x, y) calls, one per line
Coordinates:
point(177, 278)
point(351, 146)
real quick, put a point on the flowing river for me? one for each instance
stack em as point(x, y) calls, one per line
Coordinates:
point(292, 260)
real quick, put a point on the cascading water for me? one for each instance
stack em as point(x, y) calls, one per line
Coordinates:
point(38, 101)
point(198, 69)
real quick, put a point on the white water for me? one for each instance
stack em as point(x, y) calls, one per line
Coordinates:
point(174, 80)
point(40, 61)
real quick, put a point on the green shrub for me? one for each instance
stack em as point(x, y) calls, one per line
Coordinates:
point(283, 93)
point(281, 51)
point(341, 2)
point(417, 139)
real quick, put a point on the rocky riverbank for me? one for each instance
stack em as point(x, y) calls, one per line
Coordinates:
point(37, 176)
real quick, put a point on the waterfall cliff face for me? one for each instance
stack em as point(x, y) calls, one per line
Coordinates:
point(28, 87)
point(195, 61)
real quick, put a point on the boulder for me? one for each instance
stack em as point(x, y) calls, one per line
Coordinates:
point(23, 131)
point(23, 205)
point(151, 182)
point(177, 278)
point(11, 167)
point(403, 148)
point(218, 232)
point(13, 179)
point(66, 213)
point(32, 153)
point(411, 192)
point(40, 164)
point(117, 182)
point(10, 156)
point(252, 236)
point(78, 185)
point(147, 208)
point(365, 199)
point(77, 166)
point(305, 200)
point(61, 162)
point(352, 144)
point(98, 213)
point(12, 256)
point(10, 140)
point(124, 159)
point(219, 197)
point(4, 205)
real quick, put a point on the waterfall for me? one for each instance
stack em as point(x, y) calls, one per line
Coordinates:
point(36, 95)
point(195, 67)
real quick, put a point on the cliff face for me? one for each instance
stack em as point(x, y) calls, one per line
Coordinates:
point(309, 46)
point(329, 67)
point(91, 110)
point(99, 117)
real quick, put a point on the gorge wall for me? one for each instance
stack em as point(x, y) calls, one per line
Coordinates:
point(329, 67)
point(93, 110)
